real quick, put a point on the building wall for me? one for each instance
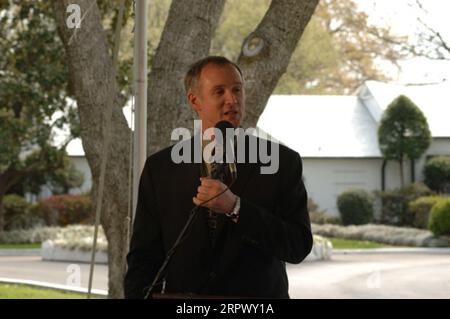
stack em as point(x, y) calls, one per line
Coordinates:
point(326, 178)
point(82, 166)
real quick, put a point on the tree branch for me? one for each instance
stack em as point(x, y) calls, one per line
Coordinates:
point(267, 50)
point(433, 41)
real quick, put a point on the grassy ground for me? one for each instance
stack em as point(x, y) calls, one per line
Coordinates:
point(20, 246)
point(10, 291)
point(339, 243)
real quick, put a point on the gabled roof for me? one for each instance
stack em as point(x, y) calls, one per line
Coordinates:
point(346, 126)
point(432, 99)
point(321, 126)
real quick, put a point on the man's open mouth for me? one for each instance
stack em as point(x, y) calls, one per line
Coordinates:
point(230, 113)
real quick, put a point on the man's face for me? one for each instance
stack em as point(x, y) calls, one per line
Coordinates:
point(219, 95)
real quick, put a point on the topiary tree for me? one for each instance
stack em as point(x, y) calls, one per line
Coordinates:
point(439, 222)
point(403, 132)
point(437, 173)
point(355, 206)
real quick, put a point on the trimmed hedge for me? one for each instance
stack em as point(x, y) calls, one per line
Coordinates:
point(17, 213)
point(355, 206)
point(439, 222)
point(395, 204)
point(320, 216)
point(437, 173)
point(420, 209)
point(62, 210)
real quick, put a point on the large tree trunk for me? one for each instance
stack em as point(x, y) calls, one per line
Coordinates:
point(95, 89)
point(186, 38)
point(402, 173)
point(266, 52)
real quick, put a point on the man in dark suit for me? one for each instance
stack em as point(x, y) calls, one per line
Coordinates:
point(239, 242)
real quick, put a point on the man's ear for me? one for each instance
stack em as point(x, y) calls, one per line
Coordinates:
point(194, 101)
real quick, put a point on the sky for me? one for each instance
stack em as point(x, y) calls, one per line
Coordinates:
point(401, 16)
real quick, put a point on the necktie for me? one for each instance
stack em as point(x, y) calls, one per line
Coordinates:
point(218, 171)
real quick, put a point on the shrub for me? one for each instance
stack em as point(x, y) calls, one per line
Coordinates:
point(312, 206)
point(17, 213)
point(437, 173)
point(439, 222)
point(420, 209)
point(62, 210)
point(395, 204)
point(320, 216)
point(391, 235)
point(355, 207)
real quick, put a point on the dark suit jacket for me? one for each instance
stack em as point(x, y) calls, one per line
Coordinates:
point(248, 258)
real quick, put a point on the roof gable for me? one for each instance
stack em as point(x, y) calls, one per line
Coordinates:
point(321, 126)
point(432, 99)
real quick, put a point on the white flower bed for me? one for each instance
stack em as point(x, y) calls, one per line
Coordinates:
point(73, 233)
point(401, 236)
point(60, 250)
point(321, 250)
point(71, 243)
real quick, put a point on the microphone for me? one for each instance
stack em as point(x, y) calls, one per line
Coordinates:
point(224, 146)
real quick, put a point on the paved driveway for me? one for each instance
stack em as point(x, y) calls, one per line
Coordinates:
point(59, 273)
point(403, 275)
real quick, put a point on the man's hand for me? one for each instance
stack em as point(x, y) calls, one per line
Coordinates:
point(211, 187)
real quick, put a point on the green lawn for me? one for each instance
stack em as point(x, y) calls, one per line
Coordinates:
point(20, 246)
point(340, 243)
point(11, 291)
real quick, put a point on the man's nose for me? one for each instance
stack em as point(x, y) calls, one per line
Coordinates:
point(230, 97)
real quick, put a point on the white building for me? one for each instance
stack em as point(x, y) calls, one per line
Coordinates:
point(76, 154)
point(337, 137)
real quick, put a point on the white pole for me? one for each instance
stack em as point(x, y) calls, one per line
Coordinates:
point(140, 89)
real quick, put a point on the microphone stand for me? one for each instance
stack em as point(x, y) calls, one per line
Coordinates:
point(179, 239)
point(172, 251)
